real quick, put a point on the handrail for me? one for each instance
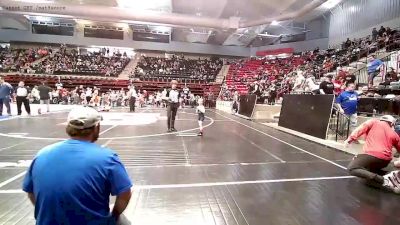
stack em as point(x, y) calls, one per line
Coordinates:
point(386, 46)
point(341, 127)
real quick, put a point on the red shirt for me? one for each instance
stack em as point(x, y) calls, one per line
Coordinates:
point(380, 138)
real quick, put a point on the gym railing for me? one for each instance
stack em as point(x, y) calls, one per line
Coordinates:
point(339, 125)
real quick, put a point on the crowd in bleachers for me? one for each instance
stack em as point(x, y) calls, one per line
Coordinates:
point(15, 60)
point(69, 61)
point(62, 61)
point(178, 67)
point(270, 78)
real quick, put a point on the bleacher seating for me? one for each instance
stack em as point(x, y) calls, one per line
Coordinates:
point(243, 73)
point(18, 59)
point(93, 64)
point(247, 71)
point(177, 67)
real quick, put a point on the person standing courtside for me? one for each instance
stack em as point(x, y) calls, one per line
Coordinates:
point(70, 182)
point(172, 97)
point(23, 97)
point(44, 93)
point(132, 98)
point(6, 91)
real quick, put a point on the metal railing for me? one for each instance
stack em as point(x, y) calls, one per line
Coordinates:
point(362, 73)
point(339, 125)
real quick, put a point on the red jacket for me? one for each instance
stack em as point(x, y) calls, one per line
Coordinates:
point(380, 138)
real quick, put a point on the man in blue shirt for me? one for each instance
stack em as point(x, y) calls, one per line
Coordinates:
point(374, 66)
point(347, 103)
point(6, 91)
point(70, 182)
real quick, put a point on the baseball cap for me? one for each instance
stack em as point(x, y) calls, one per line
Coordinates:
point(388, 118)
point(84, 117)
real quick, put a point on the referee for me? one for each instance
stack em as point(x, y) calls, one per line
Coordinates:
point(172, 98)
point(23, 97)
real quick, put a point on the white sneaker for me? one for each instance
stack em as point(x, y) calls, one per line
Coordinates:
point(392, 181)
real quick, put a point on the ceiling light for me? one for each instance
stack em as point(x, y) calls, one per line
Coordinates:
point(36, 1)
point(40, 18)
point(330, 4)
point(162, 29)
point(144, 4)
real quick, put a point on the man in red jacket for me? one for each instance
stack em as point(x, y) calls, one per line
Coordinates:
point(379, 141)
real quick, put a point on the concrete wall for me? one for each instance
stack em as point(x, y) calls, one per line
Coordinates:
point(297, 46)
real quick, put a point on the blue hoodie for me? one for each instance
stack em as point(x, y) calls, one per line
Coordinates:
point(5, 90)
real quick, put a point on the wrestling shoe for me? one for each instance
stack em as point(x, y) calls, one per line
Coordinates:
point(173, 130)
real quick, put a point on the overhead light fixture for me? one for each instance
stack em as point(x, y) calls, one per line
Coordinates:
point(39, 18)
point(143, 4)
point(124, 26)
point(163, 29)
point(269, 35)
point(274, 23)
point(330, 4)
point(36, 1)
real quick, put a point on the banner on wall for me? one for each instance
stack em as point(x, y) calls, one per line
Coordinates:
point(275, 51)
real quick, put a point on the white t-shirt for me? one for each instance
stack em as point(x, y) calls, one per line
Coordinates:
point(201, 109)
point(133, 93)
point(22, 92)
point(174, 96)
point(311, 85)
point(89, 93)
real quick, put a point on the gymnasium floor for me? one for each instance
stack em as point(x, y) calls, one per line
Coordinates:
point(240, 172)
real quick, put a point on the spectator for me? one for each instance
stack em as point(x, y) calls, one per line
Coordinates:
point(82, 177)
point(311, 85)
point(391, 76)
point(350, 78)
point(327, 87)
point(6, 91)
point(374, 34)
point(23, 97)
point(299, 83)
point(382, 31)
point(347, 44)
point(44, 93)
point(347, 103)
point(374, 66)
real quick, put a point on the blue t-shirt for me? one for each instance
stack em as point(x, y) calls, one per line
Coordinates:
point(348, 101)
point(372, 66)
point(72, 181)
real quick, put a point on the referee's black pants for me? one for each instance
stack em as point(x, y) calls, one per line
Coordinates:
point(24, 100)
point(132, 102)
point(171, 114)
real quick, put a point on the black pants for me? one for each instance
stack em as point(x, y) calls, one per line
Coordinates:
point(368, 168)
point(172, 109)
point(24, 100)
point(6, 102)
point(132, 102)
